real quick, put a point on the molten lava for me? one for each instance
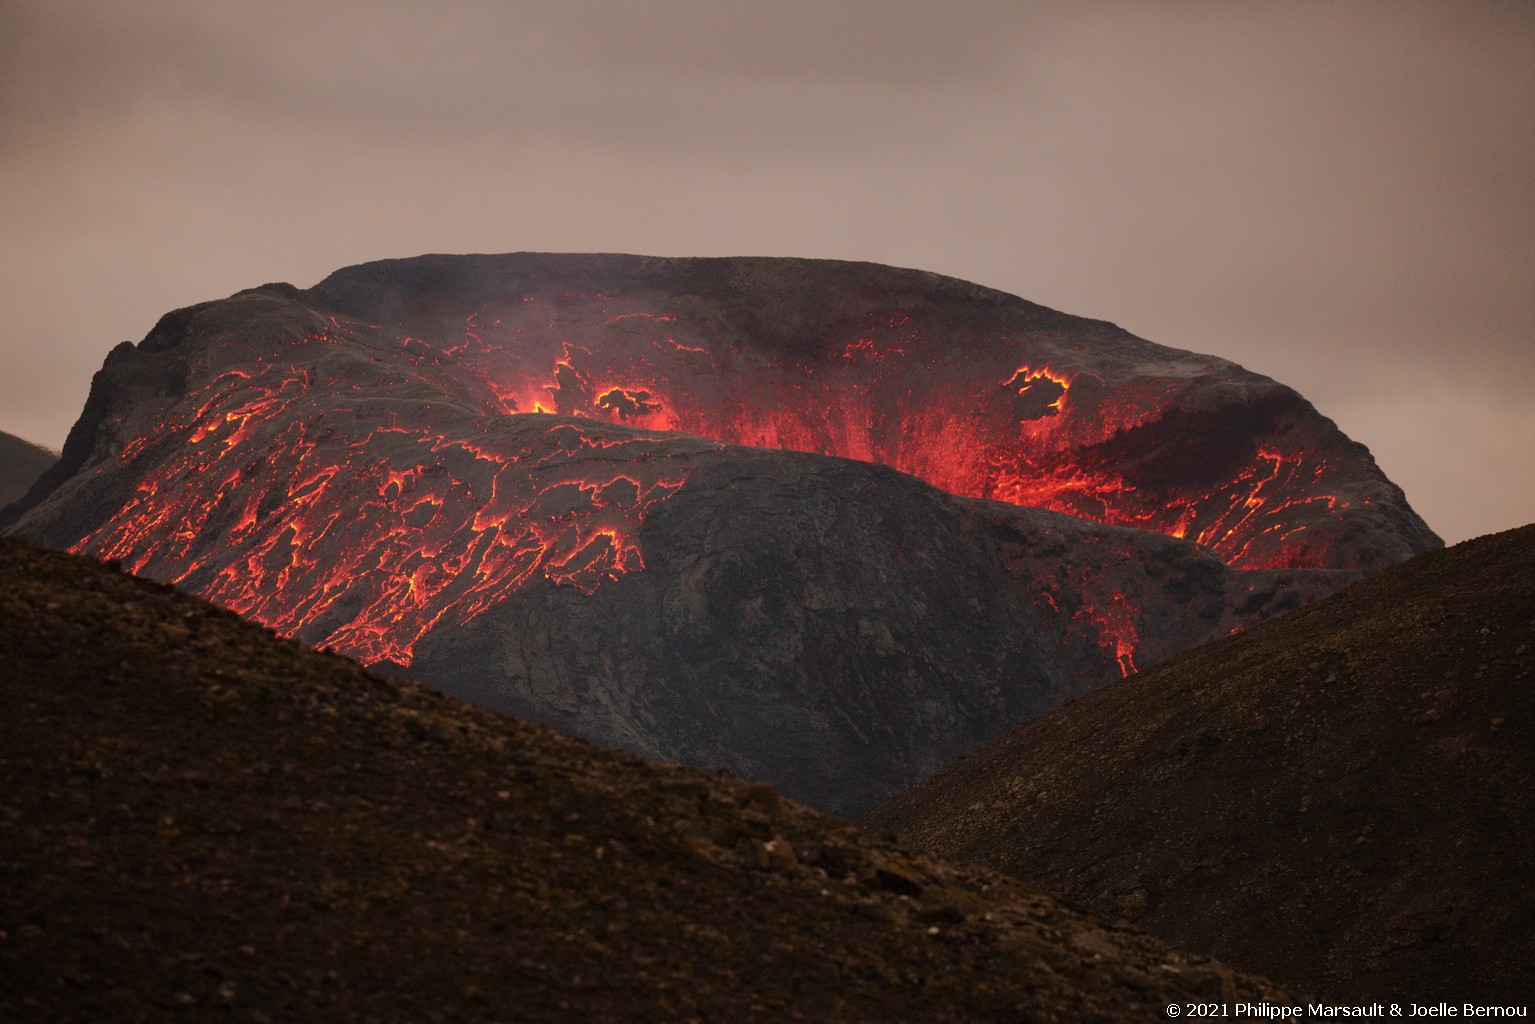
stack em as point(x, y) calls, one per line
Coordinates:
point(348, 549)
point(1024, 438)
point(309, 482)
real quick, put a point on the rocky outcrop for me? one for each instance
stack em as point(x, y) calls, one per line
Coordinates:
point(1341, 799)
point(519, 478)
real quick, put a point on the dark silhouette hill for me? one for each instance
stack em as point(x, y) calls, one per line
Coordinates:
point(21, 463)
point(361, 466)
point(1342, 798)
point(201, 821)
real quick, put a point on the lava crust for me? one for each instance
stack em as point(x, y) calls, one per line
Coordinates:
point(977, 392)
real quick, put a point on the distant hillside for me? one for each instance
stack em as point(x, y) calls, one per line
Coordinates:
point(202, 822)
point(1342, 799)
point(21, 463)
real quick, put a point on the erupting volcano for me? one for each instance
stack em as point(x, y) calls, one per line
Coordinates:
point(976, 392)
point(523, 477)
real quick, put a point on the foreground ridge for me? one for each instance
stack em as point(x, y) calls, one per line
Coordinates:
point(198, 816)
point(1341, 798)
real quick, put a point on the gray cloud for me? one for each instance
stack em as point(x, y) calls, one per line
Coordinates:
point(1338, 195)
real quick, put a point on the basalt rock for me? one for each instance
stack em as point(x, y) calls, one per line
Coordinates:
point(522, 478)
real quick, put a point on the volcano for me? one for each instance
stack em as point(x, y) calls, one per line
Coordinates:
point(597, 491)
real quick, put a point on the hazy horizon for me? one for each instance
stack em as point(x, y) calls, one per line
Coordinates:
point(1340, 196)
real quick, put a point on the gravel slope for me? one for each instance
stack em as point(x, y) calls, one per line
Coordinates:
point(195, 816)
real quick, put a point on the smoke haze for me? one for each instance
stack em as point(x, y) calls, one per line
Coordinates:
point(1341, 196)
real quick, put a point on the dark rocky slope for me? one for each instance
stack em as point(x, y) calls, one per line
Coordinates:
point(21, 463)
point(1343, 798)
point(200, 821)
point(833, 626)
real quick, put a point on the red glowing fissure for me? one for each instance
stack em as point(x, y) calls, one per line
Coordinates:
point(312, 533)
point(1018, 439)
point(271, 494)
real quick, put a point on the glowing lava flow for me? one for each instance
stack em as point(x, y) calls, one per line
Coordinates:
point(1027, 433)
point(1024, 437)
point(313, 487)
point(315, 532)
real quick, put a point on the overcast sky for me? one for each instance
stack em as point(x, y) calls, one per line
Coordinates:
point(1338, 195)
